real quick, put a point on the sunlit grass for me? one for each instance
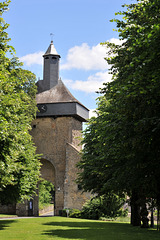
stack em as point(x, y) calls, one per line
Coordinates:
point(68, 228)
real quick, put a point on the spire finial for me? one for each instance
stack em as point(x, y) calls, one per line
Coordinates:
point(51, 34)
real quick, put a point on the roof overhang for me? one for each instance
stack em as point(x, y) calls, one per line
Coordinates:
point(61, 109)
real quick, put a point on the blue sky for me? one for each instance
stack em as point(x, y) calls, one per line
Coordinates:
point(78, 27)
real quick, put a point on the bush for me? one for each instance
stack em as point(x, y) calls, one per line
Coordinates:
point(106, 206)
point(92, 209)
point(75, 213)
point(64, 213)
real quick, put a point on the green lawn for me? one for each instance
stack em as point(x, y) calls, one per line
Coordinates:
point(68, 228)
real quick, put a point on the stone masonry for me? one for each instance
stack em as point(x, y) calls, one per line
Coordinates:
point(56, 132)
point(57, 139)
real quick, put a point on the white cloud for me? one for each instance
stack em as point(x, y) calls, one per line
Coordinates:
point(92, 113)
point(86, 58)
point(93, 83)
point(33, 58)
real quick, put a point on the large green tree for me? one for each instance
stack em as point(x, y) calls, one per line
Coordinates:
point(121, 146)
point(19, 164)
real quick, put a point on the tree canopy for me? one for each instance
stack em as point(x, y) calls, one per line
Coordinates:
point(19, 164)
point(121, 145)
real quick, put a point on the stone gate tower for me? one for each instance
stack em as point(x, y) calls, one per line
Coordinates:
point(55, 132)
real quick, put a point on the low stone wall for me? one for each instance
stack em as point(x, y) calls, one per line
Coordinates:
point(47, 209)
point(8, 209)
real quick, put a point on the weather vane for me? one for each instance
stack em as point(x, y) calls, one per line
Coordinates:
point(51, 34)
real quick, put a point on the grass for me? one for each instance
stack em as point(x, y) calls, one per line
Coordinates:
point(60, 228)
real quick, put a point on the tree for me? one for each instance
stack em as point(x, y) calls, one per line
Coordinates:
point(19, 164)
point(121, 146)
point(46, 193)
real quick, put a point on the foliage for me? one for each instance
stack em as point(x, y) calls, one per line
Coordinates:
point(19, 164)
point(75, 213)
point(108, 206)
point(46, 189)
point(121, 146)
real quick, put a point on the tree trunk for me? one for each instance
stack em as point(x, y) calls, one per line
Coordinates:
point(135, 210)
point(144, 216)
point(158, 219)
point(158, 211)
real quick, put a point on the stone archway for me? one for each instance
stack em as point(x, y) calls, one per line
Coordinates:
point(47, 172)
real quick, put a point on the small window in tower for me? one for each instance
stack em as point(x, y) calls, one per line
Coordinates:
point(46, 57)
point(54, 58)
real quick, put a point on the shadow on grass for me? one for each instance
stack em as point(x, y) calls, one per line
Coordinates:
point(99, 230)
point(5, 224)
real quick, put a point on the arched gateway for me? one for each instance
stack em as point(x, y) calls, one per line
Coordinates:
point(55, 133)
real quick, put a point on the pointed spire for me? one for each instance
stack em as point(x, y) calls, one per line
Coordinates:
point(51, 67)
point(51, 50)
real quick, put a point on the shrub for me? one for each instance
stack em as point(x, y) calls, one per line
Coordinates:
point(75, 213)
point(107, 206)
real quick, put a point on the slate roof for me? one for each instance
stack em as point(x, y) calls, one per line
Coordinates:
point(57, 94)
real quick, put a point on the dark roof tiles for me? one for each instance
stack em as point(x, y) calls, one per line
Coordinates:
point(57, 94)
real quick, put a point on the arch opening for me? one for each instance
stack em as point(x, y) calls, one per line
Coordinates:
point(47, 188)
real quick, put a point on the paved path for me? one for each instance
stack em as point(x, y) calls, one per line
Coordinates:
point(9, 218)
point(48, 214)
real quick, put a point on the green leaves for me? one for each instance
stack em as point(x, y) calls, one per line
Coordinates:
point(46, 190)
point(19, 165)
point(106, 206)
point(121, 146)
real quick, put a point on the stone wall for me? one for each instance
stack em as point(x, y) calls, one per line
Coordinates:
point(53, 138)
point(27, 209)
point(8, 209)
point(73, 196)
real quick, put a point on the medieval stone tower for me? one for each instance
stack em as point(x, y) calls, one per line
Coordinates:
point(56, 132)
